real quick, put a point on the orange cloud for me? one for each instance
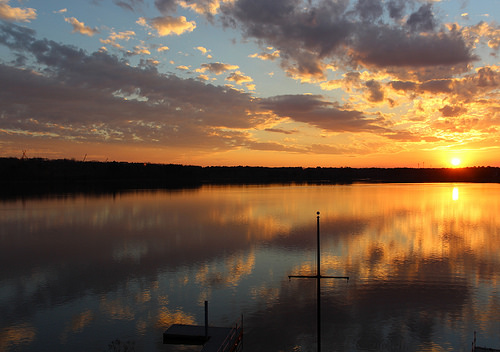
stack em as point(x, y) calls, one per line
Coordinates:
point(113, 37)
point(267, 56)
point(169, 25)
point(238, 78)
point(207, 7)
point(80, 27)
point(16, 14)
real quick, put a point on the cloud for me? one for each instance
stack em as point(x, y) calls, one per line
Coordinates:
point(351, 80)
point(313, 110)
point(202, 49)
point(369, 10)
point(139, 50)
point(267, 56)
point(113, 37)
point(452, 111)
point(484, 31)
point(130, 5)
point(129, 104)
point(403, 85)
point(422, 19)
point(169, 25)
point(485, 81)
point(396, 8)
point(436, 86)
point(208, 8)
point(273, 146)
point(217, 67)
point(16, 14)
point(312, 35)
point(79, 27)
point(166, 6)
point(386, 47)
point(238, 78)
point(375, 91)
point(279, 130)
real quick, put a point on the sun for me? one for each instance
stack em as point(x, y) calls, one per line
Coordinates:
point(455, 161)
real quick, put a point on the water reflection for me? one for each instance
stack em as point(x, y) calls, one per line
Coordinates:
point(424, 267)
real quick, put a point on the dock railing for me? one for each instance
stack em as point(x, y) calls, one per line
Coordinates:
point(233, 339)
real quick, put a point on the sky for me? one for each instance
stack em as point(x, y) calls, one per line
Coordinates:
point(329, 83)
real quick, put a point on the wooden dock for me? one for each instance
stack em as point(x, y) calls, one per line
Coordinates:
point(213, 339)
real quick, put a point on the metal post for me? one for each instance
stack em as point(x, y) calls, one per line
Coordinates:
point(318, 277)
point(206, 318)
point(318, 312)
point(318, 267)
point(318, 286)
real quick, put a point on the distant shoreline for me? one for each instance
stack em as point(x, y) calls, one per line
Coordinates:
point(36, 175)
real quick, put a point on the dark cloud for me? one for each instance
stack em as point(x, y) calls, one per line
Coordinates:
point(130, 5)
point(375, 91)
point(422, 19)
point(369, 10)
point(313, 110)
point(486, 77)
point(303, 36)
point(279, 130)
point(396, 8)
point(403, 85)
point(452, 111)
point(484, 81)
point(166, 6)
point(437, 86)
point(308, 35)
point(15, 37)
point(385, 47)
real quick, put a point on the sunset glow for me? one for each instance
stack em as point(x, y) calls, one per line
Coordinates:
point(455, 161)
point(238, 82)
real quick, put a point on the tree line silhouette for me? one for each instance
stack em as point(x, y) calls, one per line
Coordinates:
point(28, 175)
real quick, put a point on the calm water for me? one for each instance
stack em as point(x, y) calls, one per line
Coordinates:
point(77, 272)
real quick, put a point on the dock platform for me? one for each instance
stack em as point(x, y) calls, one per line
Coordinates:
point(213, 339)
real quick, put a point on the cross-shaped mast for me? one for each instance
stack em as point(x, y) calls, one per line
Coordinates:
point(318, 277)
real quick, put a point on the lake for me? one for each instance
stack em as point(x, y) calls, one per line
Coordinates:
point(78, 272)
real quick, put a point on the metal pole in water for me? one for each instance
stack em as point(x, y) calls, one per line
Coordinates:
point(206, 318)
point(318, 277)
point(318, 287)
point(318, 247)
